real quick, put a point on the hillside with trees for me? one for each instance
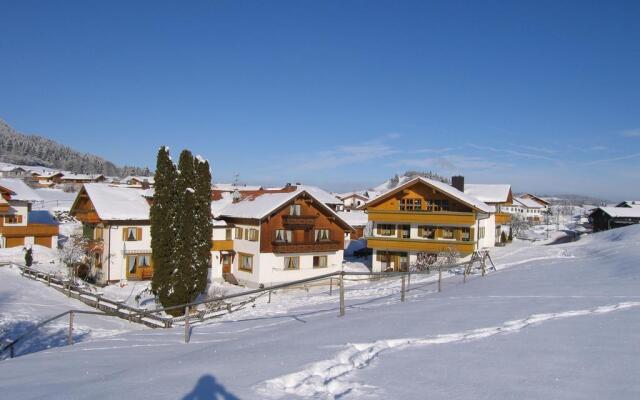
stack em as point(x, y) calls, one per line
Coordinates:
point(22, 149)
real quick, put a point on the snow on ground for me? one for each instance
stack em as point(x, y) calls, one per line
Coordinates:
point(24, 302)
point(555, 321)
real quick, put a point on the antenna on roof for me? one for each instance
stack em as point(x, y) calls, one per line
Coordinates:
point(235, 196)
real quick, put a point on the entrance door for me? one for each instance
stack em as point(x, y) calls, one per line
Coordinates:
point(226, 263)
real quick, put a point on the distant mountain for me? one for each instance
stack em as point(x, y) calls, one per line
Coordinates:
point(18, 148)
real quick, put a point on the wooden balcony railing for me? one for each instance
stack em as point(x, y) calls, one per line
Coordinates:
point(306, 247)
point(299, 221)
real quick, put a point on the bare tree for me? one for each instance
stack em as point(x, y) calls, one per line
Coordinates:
point(73, 255)
point(518, 226)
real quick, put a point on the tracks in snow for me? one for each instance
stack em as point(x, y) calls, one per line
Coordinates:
point(327, 378)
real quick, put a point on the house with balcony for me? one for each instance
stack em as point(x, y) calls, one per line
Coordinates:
point(21, 226)
point(115, 222)
point(274, 236)
point(417, 220)
point(496, 195)
point(526, 209)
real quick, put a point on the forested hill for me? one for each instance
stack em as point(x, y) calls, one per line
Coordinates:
point(18, 148)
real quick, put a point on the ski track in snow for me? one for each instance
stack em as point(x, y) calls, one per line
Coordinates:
point(327, 378)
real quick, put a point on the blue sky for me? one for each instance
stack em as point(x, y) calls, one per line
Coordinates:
point(542, 95)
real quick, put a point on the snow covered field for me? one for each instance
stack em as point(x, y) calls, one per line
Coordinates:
point(555, 321)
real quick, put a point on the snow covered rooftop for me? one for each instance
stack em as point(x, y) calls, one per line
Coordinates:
point(492, 193)
point(354, 218)
point(139, 178)
point(622, 212)
point(117, 203)
point(230, 187)
point(320, 194)
point(81, 176)
point(443, 187)
point(20, 190)
point(526, 202)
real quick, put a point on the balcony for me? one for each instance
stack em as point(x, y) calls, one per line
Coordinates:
point(299, 221)
point(503, 218)
point(220, 245)
point(423, 217)
point(306, 247)
point(420, 245)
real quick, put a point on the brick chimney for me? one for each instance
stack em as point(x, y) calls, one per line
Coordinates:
point(458, 182)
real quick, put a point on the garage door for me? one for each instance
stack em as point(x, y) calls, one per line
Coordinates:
point(43, 241)
point(15, 241)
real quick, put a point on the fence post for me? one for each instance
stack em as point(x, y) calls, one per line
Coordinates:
point(439, 279)
point(70, 338)
point(402, 289)
point(186, 324)
point(342, 295)
point(330, 286)
point(269, 297)
point(48, 279)
point(11, 351)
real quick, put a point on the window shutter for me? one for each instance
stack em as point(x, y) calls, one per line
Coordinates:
point(124, 234)
point(138, 233)
point(471, 235)
point(420, 231)
point(378, 230)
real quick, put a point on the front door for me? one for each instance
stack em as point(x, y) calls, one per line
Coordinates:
point(226, 263)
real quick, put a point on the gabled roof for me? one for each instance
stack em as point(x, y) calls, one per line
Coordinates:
point(320, 194)
point(440, 186)
point(360, 194)
point(629, 203)
point(81, 176)
point(116, 203)
point(259, 207)
point(536, 198)
point(140, 178)
point(489, 193)
point(19, 190)
point(621, 212)
point(527, 203)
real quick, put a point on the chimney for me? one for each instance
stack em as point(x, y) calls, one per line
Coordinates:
point(236, 196)
point(458, 182)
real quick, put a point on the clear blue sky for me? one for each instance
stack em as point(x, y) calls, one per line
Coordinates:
point(543, 95)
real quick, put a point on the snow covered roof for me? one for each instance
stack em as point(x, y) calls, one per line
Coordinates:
point(362, 194)
point(20, 190)
point(6, 167)
point(492, 193)
point(261, 206)
point(622, 212)
point(320, 194)
point(230, 187)
point(441, 186)
point(629, 203)
point(140, 178)
point(526, 202)
point(87, 177)
point(354, 218)
point(118, 203)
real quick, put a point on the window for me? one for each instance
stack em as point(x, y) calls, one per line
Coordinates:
point(465, 234)
point(322, 235)
point(227, 234)
point(447, 233)
point(284, 236)
point(239, 232)
point(291, 262)
point(404, 231)
point(132, 234)
point(245, 262)
point(253, 235)
point(438, 205)
point(386, 230)
point(427, 232)
point(481, 233)
point(294, 209)
point(135, 261)
point(410, 204)
point(13, 219)
point(319, 261)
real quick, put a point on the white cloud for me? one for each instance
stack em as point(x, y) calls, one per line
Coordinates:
point(613, 159)
point(631, 133)
point(452, 163)
point(510, 152)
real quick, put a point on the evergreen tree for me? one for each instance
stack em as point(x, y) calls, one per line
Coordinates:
point(203, 222)
point(162, 214)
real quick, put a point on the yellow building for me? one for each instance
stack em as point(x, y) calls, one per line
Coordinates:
point(415, 221)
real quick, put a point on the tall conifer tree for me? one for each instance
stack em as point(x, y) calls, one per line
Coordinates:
point(203, 223)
